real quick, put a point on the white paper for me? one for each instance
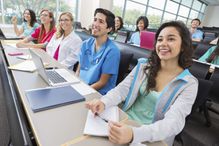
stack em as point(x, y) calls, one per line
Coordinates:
point(25, 57)
point(96, 126)
point(83, 89)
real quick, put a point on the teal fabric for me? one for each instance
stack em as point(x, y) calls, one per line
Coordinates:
point(28, 30)
point(207, 54)
point(143, 110)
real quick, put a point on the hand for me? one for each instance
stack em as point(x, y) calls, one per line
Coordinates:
point(96, 106)
point(14, 20)
point(120, 133)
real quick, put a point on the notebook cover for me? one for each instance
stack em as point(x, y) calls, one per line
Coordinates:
point(47, 98)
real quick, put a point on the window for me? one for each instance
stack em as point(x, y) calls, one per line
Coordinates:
point(187, 2)
point(197, 5)
point(154, 17)
point(172, 7)
point(118, 6)
point(183, 11)
point(157, 3)
point(168, 17)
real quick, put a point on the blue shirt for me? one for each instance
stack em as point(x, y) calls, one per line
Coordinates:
point(207, 54)
point(135, 38)
point(93, 64)
point(198, 34)
point(28, 30)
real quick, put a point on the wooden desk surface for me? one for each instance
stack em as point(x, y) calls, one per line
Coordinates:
point(59, 125)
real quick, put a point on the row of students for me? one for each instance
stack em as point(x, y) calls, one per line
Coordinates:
point(158, 93)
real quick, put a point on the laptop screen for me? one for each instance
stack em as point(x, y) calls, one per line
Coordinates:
point(39, 65)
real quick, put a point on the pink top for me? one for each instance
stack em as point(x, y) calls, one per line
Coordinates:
point(56, 55)
point(46, 37)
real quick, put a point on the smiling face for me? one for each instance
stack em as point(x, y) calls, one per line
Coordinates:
point(45, 18)
point(141, 25)
point(168, 45)
point(195, 24)
point(117, 22)
point(65, 22)
point(99, 26)
point(27, 16)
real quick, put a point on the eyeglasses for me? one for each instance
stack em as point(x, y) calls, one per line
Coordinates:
point(44, 15)
point(64, 20)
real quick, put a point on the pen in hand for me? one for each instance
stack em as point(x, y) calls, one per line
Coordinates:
point(105, 120)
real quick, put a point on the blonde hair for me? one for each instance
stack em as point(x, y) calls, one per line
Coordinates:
point(60, 31)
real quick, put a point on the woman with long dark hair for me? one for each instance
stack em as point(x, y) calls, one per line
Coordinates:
point(29, 23)
point(42, 34)
point(158, 93)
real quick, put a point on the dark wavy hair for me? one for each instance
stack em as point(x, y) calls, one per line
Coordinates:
point(145, 20)
point(121, 22)
point(185, 56)
point(213, 55)
point(110, 17)
point(32, 16)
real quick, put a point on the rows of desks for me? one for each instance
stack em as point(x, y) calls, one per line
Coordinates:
point(62, 126)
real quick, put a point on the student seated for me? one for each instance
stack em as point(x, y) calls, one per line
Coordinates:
point(65, 43)
point(29, 23)
point(118, 26)
point(197, 35)
point(142, 25)
point(158, 93)
point(211, 56)
point(42, 34)
point(99, 57)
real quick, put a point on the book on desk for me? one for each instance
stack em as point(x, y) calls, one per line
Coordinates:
point(47, 98)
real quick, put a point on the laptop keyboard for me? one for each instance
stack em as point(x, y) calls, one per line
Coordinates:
point(55, 77)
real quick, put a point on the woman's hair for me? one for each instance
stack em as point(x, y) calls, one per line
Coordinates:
point(60, 31)
point(32, 16)
point(145, 20)
point(52, 24)
point(121, 22)
point(185, 56)
point(213, 55)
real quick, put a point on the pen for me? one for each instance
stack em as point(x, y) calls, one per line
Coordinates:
point(105, 120)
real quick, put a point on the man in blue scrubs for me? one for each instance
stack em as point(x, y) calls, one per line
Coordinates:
point(197, 35)
point(99, 57)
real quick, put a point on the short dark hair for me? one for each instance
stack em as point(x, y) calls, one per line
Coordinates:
point(145, 20)
point(185, 56)
point(196, 19)
point(110, 17)
point(32, 16)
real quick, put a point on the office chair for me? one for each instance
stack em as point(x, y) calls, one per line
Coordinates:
point(121, 36)
point(199, 69)
point(77, 25)
point(125, 60)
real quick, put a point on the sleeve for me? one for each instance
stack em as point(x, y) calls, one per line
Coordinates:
point(50, 46)
point(81, 52)
point(36, 33)
point(207, 54)
point(73, 51)
point(173, 121)
point(120, 92)
point(112, 59)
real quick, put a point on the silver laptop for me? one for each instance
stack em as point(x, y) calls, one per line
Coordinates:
point(54, 77)
point(8, 37)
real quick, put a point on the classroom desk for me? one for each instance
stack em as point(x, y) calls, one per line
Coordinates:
point(58, 126)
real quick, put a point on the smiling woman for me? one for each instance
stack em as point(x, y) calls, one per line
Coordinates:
point(156, 91)
point(60, 47)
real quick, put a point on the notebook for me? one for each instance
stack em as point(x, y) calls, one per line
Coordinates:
point(53, 77)
point(147, 40)
point(8, 37)
point(97, 126)
point(47, 98)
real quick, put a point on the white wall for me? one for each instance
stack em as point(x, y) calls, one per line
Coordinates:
point(87, 8)
point(211, 16)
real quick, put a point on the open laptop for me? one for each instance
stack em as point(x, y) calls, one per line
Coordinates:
point(147, 40)
point(8, 37)
point(54, 77)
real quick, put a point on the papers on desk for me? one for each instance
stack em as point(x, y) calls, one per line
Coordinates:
point(26, 65)
point(24, 57)
point(97, 126)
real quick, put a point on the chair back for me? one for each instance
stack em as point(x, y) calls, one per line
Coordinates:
point(125, 60)
point(200, 50)
point(199, 69)
point(214, 94)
